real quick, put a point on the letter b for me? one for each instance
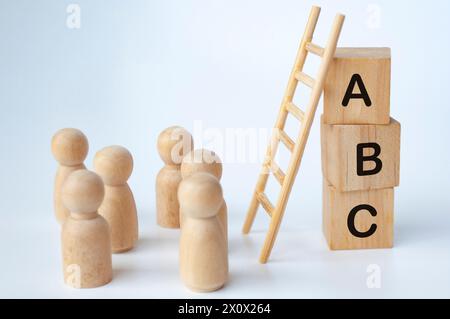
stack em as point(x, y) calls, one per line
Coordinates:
point(360, 159)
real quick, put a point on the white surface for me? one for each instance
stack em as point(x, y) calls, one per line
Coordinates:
point(135, 68)
point(301, 264)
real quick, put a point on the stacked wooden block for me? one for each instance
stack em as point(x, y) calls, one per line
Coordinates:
point(360, 150)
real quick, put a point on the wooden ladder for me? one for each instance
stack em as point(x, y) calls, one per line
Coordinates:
point(306, 119)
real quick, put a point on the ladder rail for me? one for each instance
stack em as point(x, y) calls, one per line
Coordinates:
point(295, 162)
point(282, 115)
point(306, 118)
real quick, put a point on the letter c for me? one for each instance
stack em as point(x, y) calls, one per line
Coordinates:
point(351, 221)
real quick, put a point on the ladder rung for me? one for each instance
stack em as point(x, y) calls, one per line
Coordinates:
point(305, 79)
point(265, 203)
point(294, 110)
point(287, 140)
point(277, 172)
point(313, 48)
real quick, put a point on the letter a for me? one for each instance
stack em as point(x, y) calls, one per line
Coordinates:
point(356, 79)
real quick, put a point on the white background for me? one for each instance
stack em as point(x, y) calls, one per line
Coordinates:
point(136, 67)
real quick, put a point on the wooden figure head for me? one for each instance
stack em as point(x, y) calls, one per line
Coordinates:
point(201, 160)
point(173, 144)
point(70, 147)
point(200, 196)
point(114, 164)
point(83, 192)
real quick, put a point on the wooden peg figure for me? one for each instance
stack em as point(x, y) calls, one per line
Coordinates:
point(86, 238)
point(203, 247)
point(114, 164)
point(173, 144)
point(205, 161)
point(70, 148)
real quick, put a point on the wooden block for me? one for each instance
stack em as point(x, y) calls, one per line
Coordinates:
point(361, 157)
point(357, 88)
point(358, 220)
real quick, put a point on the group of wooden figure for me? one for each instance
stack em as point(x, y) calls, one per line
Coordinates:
point(360, 164)
point(98, 213)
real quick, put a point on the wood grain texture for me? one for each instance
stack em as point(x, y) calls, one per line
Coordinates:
point(374, 67)
point(337, 207)
point(115, 164)
point(70, 148)
point(306, 118)
point(119, 209)
point(205, 161)
point(167, 206)
point(339, 155)
point(203, 244)
point(61, 212)
point(174, 143)
point(85, 235)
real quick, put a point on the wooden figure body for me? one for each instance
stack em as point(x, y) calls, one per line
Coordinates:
point(361, 157)
point(357, 88)
point(359, 219)
point(69, 147)
point(114, 164)
point(205, 161)
point(203, 247)
point(173, 144)
point(86, 238)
